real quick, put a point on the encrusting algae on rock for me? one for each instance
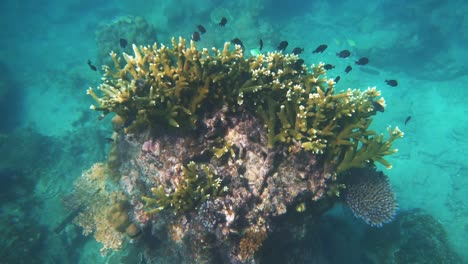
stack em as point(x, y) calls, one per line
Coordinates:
point(213, 146)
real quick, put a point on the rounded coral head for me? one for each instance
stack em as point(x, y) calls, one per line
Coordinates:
point(369, 195)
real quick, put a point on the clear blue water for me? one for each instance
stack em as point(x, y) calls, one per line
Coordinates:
point(49, 135)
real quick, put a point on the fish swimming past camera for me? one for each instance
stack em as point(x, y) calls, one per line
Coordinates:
point(261, 45)
point(91, 66)
point(223, 22)
point(201, 29)
point(377, 106)
point(282, 46)
point(255, 52)
point(407, 120)
point(343, 54)
point(362, 61)
point(328, 66)
point(123, 43)
point(237, 42)
point(298, 65)
point(348, 69)
point(320, 49)
point(297, 51)
point(196, 36)
point(392, 83)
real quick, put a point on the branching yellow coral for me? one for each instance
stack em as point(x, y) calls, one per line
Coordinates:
point(373, 148)
point(196, 184)
point(172, 87)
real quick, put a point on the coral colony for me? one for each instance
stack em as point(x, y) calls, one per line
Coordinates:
point(210, 147)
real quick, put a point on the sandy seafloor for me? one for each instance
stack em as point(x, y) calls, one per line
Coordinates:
point(45, 46)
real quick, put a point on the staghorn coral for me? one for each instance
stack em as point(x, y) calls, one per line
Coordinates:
point(369, 195)
point(173, 87)
point(374, 148)
point(217, 145)
point(196, 185)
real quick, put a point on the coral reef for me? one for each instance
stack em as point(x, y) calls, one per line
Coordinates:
point(174, 87)
point(196, 185)
point(34, 172)
point(102, 210)
point(211, 147)
point(414, 237)
point(369, 195)
point(252, 241)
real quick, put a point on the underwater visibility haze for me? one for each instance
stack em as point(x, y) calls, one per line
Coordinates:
point(212, 131)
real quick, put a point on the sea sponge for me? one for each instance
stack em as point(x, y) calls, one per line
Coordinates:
point(369, 195)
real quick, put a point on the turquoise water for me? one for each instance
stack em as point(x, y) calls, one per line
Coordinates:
point(49, 135)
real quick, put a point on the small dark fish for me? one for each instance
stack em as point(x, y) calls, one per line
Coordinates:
point(298, 64)
point(407, 120)
point(223, 22)
point(392, 83)
point(337, 79)
point(123, 43)
point(261, 44)
point(297, 50)
point(328, 67)
point(91, 66)
point(320, 48)
point(362, 61)
point(343, 54)
point(238, 42)
point(282, 46)
point(348, 69)
point(377, 106)
point(196, 36)
point(201, 29)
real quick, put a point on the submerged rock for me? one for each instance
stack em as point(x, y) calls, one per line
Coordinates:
point(414, 237)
